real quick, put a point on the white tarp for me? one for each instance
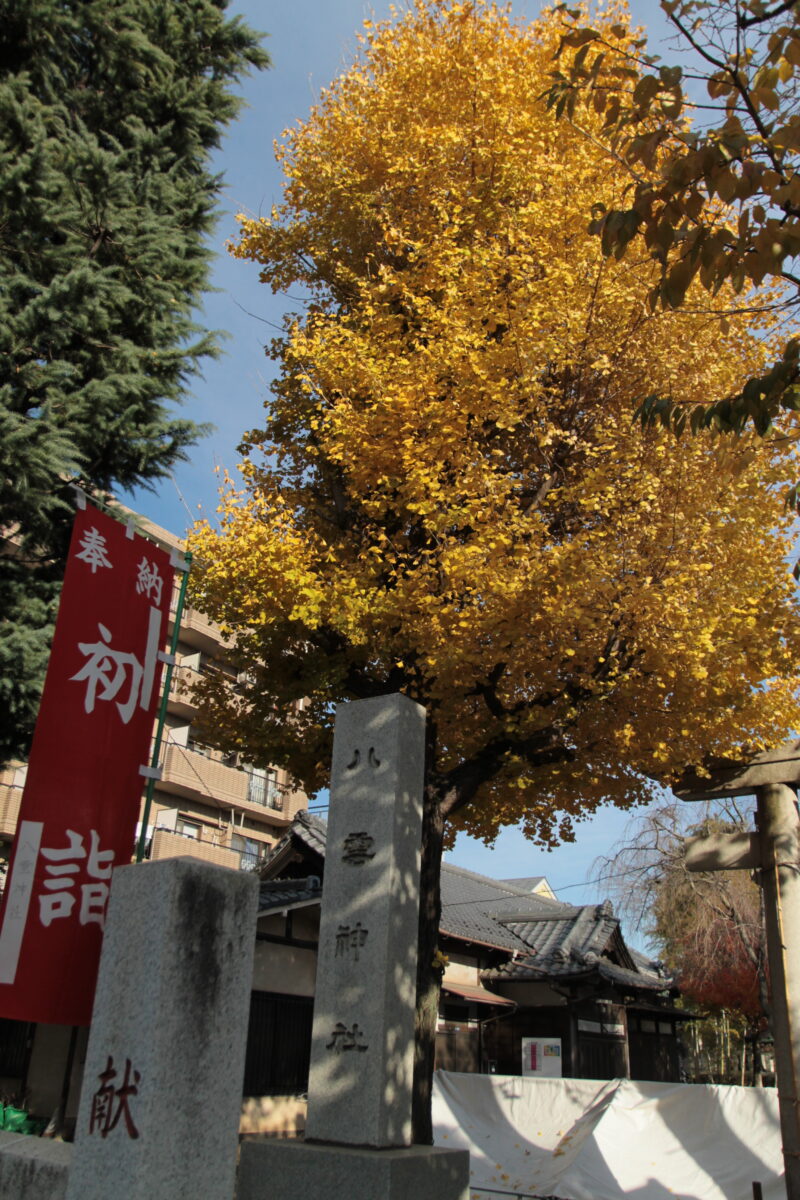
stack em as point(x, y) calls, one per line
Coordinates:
point(581, 1139)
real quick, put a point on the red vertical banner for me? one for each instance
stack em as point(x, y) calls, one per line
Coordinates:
point(84, 783)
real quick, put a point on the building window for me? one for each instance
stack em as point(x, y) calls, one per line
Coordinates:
point(250, 851)
point(262, 787)
point(278, 1044)
point(187, 828)
point(198, 747)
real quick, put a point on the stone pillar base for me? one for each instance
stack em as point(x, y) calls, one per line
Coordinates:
point(282, 1170)
point(33, 1168)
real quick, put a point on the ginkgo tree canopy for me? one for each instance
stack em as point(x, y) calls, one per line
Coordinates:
point(712, 153)
point(447, 496)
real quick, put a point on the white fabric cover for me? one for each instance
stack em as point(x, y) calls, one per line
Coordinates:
point(582, 1139)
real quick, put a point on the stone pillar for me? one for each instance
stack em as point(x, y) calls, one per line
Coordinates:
point(362, 1048)
point(162, 1086)
point(779, 833)
point(358, 1130)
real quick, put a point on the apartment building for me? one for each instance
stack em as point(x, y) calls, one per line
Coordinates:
point(205, 804)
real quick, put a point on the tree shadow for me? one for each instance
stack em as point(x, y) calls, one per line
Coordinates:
point(644, 1140)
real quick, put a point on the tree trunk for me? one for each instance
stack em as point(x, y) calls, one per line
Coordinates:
point(429, 967)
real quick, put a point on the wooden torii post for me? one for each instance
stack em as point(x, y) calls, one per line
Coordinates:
point(773, 852)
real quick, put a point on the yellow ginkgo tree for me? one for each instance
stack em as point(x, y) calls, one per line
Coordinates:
point(711, 150)
point(447, 497)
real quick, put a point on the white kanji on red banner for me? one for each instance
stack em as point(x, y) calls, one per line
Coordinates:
point(64, 868)
point(83, 791)
point(93, 550)
point(149, 581)
point(109, 672)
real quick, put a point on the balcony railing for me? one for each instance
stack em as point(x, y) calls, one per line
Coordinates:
point(209, 845)
point(198, 771)
point(10, 800)
point(199, 623)
point(180, 689)
point(195, 773)
point(250, 862)
point(265, 791)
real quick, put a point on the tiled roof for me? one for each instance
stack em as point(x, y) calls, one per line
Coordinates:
point(634, 979)
point(578, 943)
point(574, 967)
point(312, 830)
point(472, 905)
point(648, 966)
point(527, 883)
point(288, 893)
point(573, 932)
point(550, 938)
point(306, 828)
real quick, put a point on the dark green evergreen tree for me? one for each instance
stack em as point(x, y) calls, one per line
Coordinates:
point(109, 111)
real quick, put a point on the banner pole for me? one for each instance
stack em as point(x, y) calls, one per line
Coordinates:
point(162, 711)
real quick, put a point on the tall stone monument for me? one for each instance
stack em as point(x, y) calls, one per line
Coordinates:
point(358, 1131)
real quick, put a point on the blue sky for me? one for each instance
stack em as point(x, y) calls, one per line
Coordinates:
point(310, 41)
